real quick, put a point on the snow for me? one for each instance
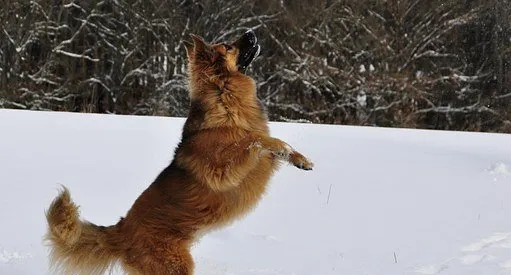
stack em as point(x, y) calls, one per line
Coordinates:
point(6, 256)
point(501, 169)
point(362, 69)
point(379, 201)
point(362, 99)
point(77, 55)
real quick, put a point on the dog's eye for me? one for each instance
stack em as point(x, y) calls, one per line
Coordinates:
point(227, 47)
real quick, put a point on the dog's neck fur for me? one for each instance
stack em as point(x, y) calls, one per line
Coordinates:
point(227, 100)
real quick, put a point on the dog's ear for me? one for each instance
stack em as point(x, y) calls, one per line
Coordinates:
point(198, 42)
point(200, 50)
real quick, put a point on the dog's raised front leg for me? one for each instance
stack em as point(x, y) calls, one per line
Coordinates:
point(283, 151)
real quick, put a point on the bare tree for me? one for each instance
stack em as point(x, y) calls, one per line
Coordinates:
point(397, 63)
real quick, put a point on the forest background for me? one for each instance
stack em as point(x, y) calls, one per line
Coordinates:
point(429, 64)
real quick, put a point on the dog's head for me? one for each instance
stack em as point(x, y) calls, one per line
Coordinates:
point(220, 92)
point(223, 58)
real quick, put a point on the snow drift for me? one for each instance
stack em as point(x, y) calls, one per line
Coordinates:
point(379, 201)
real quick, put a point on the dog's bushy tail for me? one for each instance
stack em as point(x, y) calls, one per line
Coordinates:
point(78, 247)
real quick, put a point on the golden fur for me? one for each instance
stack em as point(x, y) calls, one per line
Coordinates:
point(219, 172)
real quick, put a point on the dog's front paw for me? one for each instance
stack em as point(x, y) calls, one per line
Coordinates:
point(300, 161)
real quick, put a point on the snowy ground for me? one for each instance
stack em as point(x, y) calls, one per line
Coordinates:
point(379, 201)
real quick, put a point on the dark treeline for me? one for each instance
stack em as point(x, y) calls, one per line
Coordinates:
point(435, 64)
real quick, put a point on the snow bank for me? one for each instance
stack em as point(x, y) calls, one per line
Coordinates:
point(379, 201)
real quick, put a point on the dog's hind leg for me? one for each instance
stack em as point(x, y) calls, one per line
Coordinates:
point(162, 262)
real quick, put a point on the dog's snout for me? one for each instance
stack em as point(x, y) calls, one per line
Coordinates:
point(249, 49)
point(250, 36)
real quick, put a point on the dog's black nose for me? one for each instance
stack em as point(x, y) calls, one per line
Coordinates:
point(250, 36)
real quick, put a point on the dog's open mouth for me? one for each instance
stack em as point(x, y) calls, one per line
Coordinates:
point(249, 49)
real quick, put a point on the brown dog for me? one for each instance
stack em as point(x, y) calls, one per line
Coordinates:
point(219, 172)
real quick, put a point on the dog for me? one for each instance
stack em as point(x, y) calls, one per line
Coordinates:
point(220, 170)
